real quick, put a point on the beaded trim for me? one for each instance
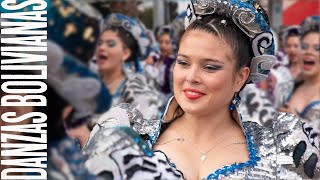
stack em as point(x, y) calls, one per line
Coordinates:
point(137, 139)
point(154, 138)
point(225, 170)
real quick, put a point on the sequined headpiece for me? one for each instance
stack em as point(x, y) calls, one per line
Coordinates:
point(131, 25)
point(252, 19)
point(291, 30)
point(310, 23)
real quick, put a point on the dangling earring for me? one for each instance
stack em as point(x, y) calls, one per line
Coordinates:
point(235, 102)
point(127, 68)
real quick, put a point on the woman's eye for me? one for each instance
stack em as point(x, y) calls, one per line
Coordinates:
point(183, 63)
point(212, 67)
point(111, 43)
point(317, 47)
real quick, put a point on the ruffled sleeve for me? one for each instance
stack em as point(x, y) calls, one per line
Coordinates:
point(141, 93)
point(297, 148)
point(116, 149)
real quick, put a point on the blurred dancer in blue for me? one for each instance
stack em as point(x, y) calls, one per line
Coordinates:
point(121, 46)
point(307, 107)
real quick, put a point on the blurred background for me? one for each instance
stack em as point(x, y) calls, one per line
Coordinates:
point(80, 91)
point(157, 12)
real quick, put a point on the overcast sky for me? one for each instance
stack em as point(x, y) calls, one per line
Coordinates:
point(182, 6)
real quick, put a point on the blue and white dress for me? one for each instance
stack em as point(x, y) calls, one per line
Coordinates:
point(287, 150)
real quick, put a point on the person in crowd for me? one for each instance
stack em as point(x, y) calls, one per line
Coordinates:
point(121, 45)
point(159, 67)
point(120, 48)
point(292, 50)
point(227, 44)
point(304, 99)
point(279, 46)
point(285, 73)
point(75, 96)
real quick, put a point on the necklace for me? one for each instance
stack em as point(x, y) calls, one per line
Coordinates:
point(203, 154)
point(180, 139)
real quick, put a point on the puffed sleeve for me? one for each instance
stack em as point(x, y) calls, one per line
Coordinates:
point(115, 149)
point(297, 148)
point(141, 94)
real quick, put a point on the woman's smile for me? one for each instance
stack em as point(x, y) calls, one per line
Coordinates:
point(193, 94)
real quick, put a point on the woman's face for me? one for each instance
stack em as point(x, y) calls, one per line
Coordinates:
point(311, 54)
point(292, 48)
point(203, 75)
point(111, 51)
point(165, 42)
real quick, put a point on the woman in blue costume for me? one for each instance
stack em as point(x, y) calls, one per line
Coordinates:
point(120, 46)
point(291, 37)
point(75, 94)
point(308, 107)
point(227, 44)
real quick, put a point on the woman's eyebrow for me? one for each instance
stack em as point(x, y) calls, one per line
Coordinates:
point(212, 60)
point(204, 59)
point(182, 55)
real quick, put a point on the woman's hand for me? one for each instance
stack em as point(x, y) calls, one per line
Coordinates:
point(150, 59)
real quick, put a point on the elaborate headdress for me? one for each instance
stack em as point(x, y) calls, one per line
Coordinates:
point(291, 30)
point(134, 27)
point(168, 29)
point(165, 29)
point(252, 19)
point(310, 23)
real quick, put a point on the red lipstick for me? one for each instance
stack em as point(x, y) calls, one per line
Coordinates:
point(193, 93)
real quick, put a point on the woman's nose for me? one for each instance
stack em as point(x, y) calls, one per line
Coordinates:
point(308, 50)
point(102, 46)
point(193, 76)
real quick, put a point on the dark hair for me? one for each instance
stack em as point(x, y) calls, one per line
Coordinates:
point(291, 33)
point(165, 30)
point(165, 33)
point(225, 29)
point(312, 28)
point(129, 41)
